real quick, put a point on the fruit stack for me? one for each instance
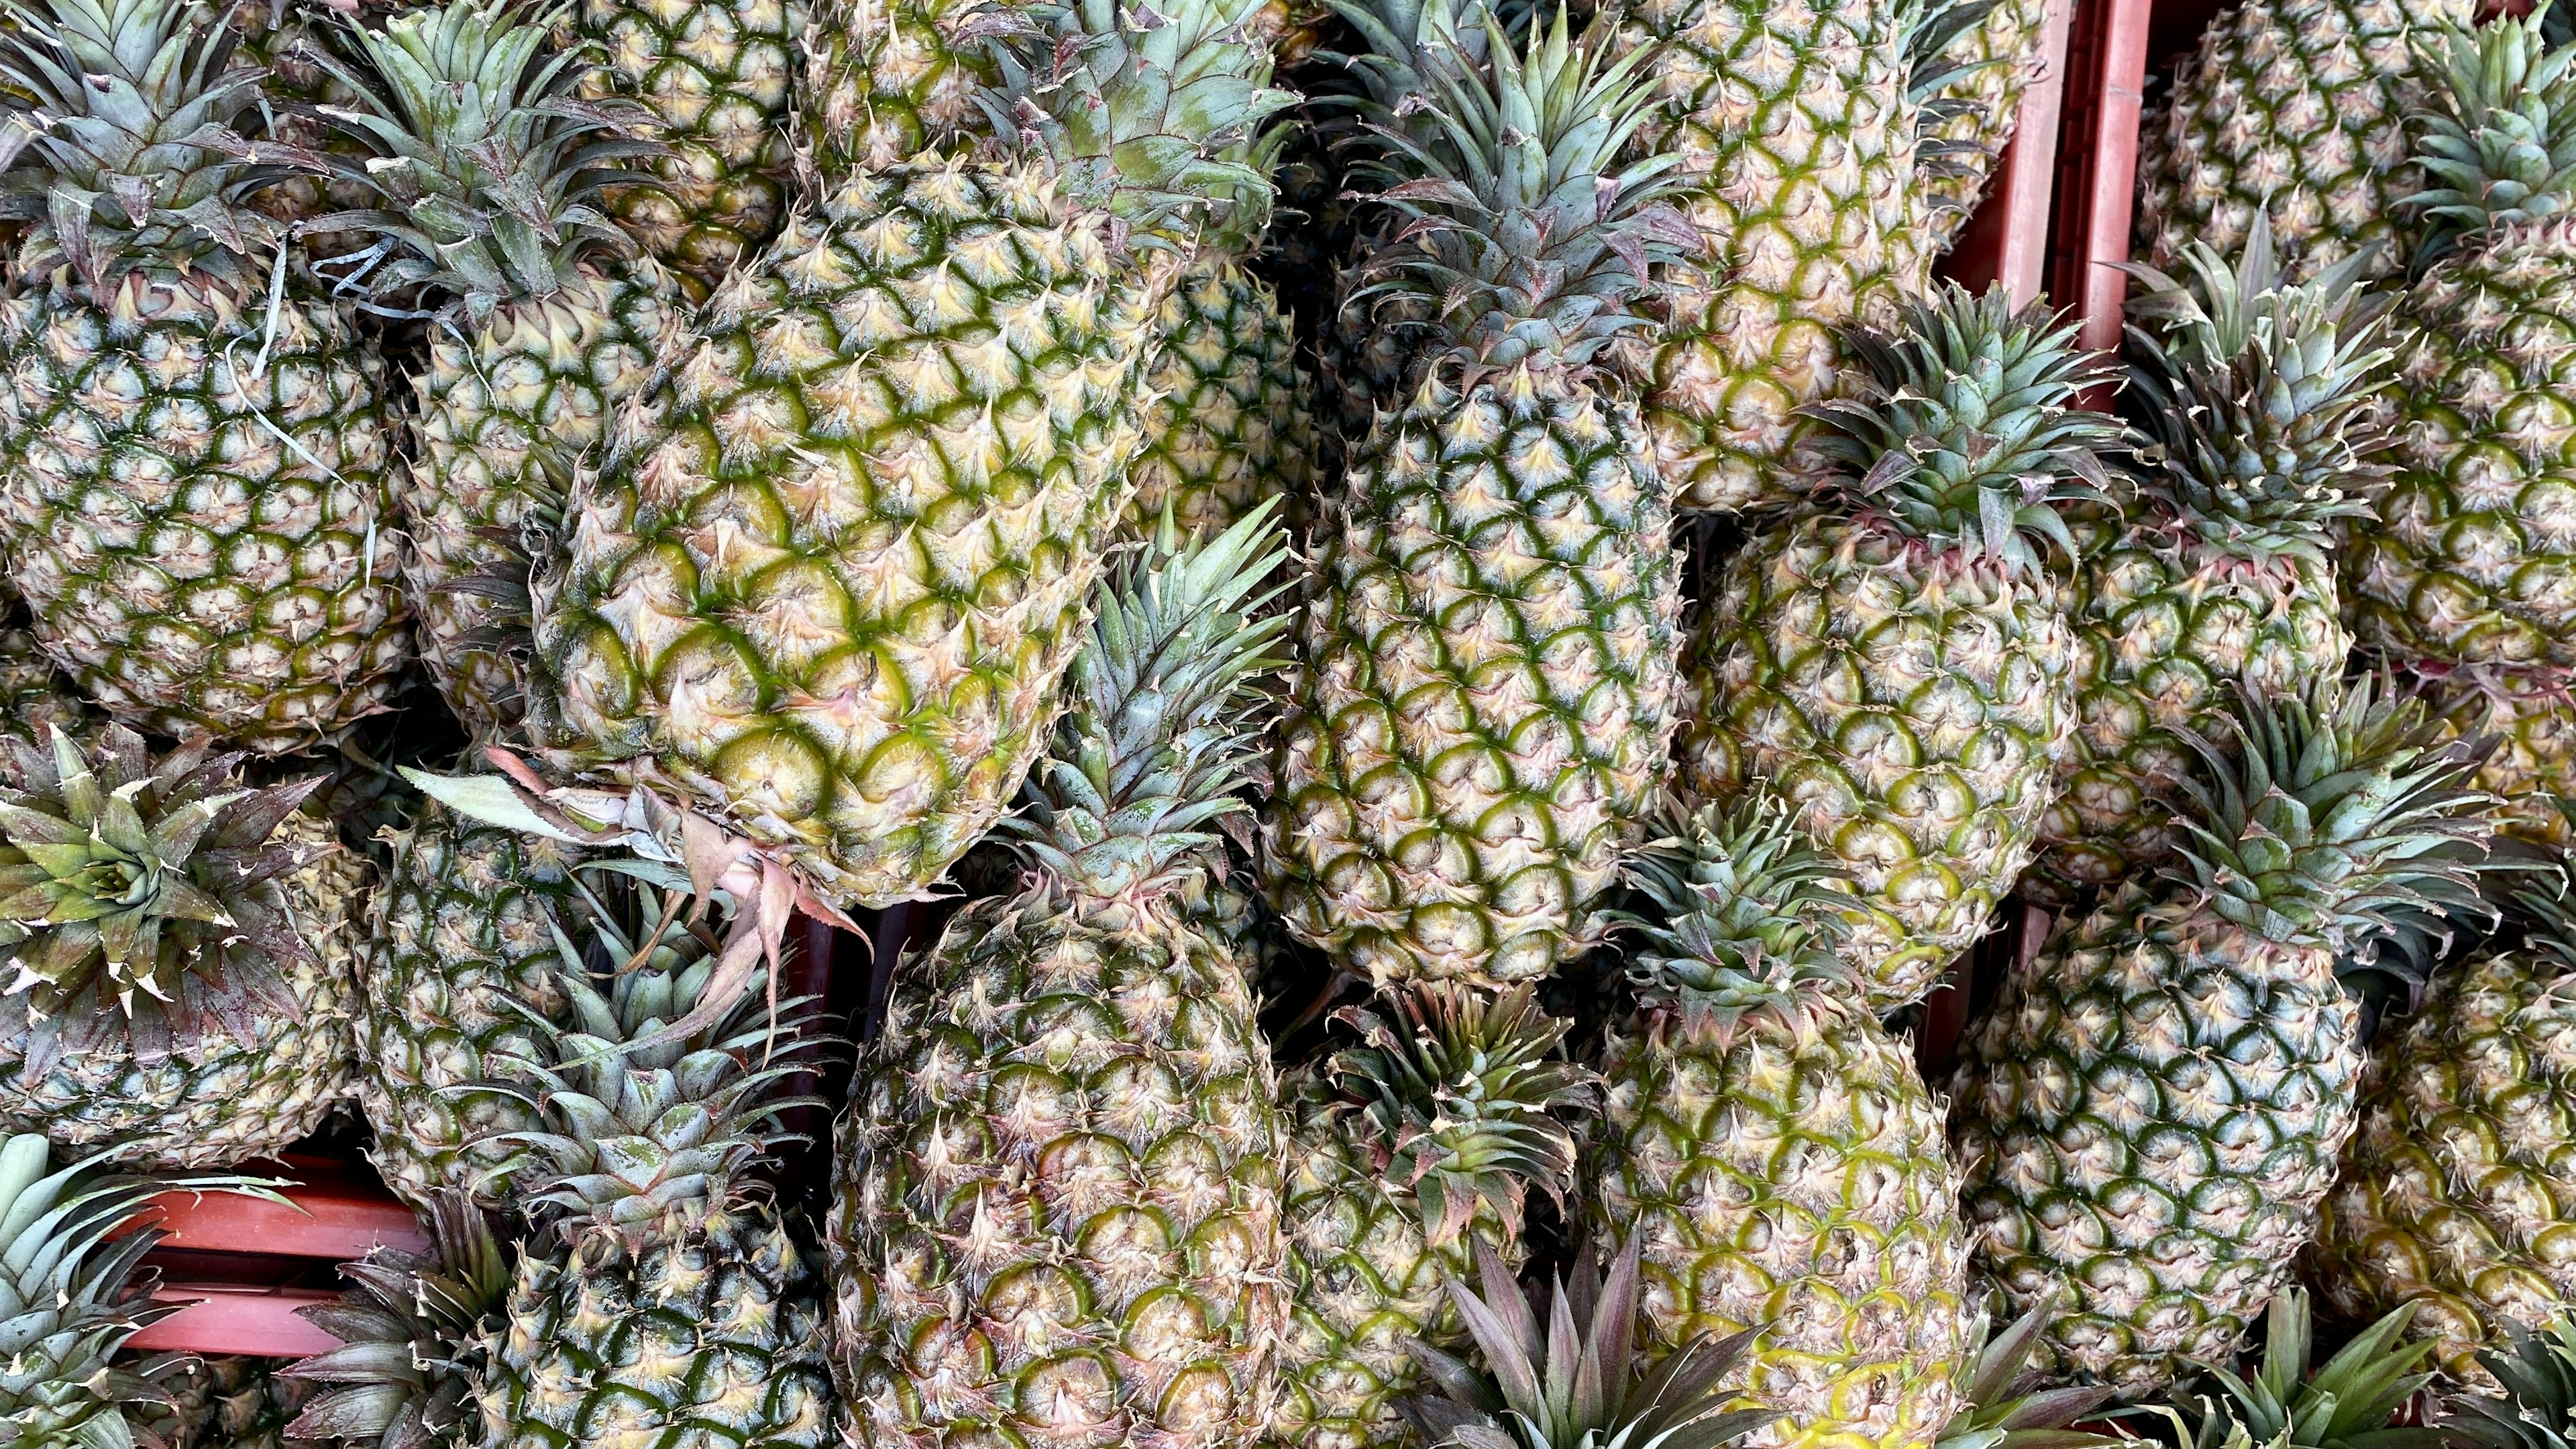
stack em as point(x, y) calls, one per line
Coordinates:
point(1444, 634)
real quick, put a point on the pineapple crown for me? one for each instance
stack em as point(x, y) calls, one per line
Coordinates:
point(2345, 1403)
point(2499, 146)
point(1575, 1384)
point(73, 1289)
point(1141, 110)
point(2003, 1404)
point(2341, 813)
point(2536, 1369)
point(128, 155)
point(1406, 43)
point(1752, 916)
point(142, 888)
point(488, 166)
point(2543, 911)
point(1460, 1092)
point(1519, 226)
point(2258, 395)
point(411, 1330)
point(1968, 438)
point(661, 1094)
point(1161, 721)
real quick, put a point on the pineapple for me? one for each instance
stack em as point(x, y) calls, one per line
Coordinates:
point(181, 952)
point(2260, 396)
point(1486, 654)
point(667, 1296)
point(2456, 1193)
point(1896, 657)
point(2296, 109)
point(1972, 105)
point(1772, 1155)
point(831, 572)
point(1408, 1149)
point(1574, 1384)
point(2474, 558)
point(2150, 1110)
point(460, 974)
point(33, 694)
point(71, 1294)
point(1226, 426)
point(718, 77)
point(485, 180)
point(196, 503)
point(1067, 1136)
point(2528, 716)
point(1793, 126)
point(412, 1330)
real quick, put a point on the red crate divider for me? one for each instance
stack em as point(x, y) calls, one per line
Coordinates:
point(334, 1210)
point(2097, 176)
point(236, 1318)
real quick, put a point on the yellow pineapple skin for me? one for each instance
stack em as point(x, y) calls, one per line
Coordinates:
point(202, 544)
point(829, 576)
point(1787, 1173)
point(1912, 705)
point(1226, 426)
point(2456, 1193)
point(528, 389)
point(1487, 678)
point(1791, 120)
point(2474, 557)
point(2529, 717)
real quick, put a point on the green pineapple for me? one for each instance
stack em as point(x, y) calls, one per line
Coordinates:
point(1896, 658)
point(1772, 1155)
point(2151, 1109)
point(2296, 109)
point(1486, 656)
point(719, 79)
point(2528, 717)
point(461, 971)
point(478, 170)
point(667, 1296)
point(2474, 557)
point(2262, 399)
point(1409, 1149)
point(831, 572)
point(196, 504)
point(1067, 1135)
point(2456, 1196)
point(413, 1331)
point(181, 950)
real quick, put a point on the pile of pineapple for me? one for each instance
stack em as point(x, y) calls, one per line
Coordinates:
point(1445, 634)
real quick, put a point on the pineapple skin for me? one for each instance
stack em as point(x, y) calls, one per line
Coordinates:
point(2530, 716)
point(184, 564)
point(2474, 561)
point(2456, 1193)
point(2303, 101)
point(1363, 1280)
point(1067, 1137)
point(33, 694)
point(1791, 119)
point(1487, 679)
point(2149, 1116)
point(886, 86)
point(2164, 626)
point(704, 1326)
point(210, 1100)
point(1792, 1172)
point(845, 637)
point(1226, 426)
point(224, 1401)
point(2003, 52)
point(718, 77)
point(538, 374)
point(461, 952)
point(1913, 707)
